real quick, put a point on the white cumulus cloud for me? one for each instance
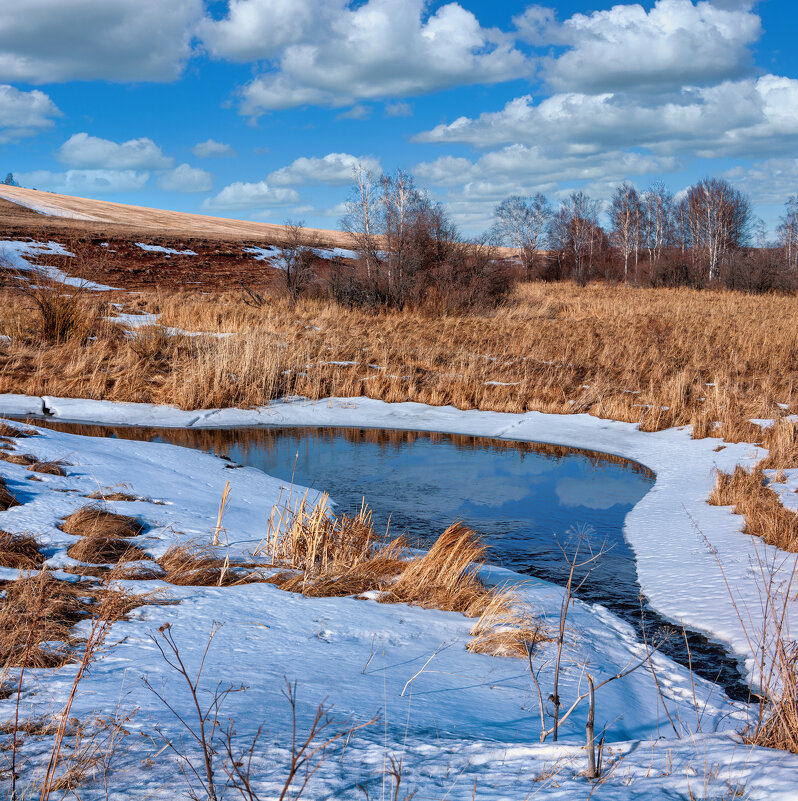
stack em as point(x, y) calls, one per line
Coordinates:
point(47, 41)
point(241, 195)
point(739, 118)
point(89, 182)
point(334, 169)
point(212, 149)
point(186, 178)
point(257, 29)
point(84, 151)
point(676, 42)
point(24, 113)
point(336, 53)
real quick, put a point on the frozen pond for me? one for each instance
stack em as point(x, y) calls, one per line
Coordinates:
point(527, 500)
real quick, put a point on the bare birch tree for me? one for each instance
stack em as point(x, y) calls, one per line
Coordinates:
point(522, 223)
point(295, 259)
point(576, 231)
point(659, 222)
point(787, 233)
point(361, 217)
point(626, 216)
point(719, 222)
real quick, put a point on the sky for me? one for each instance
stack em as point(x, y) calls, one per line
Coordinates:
point(259, 109)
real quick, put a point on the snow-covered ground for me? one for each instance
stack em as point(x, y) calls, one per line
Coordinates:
point(678, 539)
point(273, 252)
point(464, 717)
point(264, 254)
point(132, 322)
point(167, 251)
point(43, 207)
point(14, 254)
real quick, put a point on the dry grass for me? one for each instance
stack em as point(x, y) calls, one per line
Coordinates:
point(7, 500)
point(110, 495)
point(335, 556)
point(50, 468)
point(37, 614)
point(94, 521)
point(506, 627)
point(765, 515)
point(779, 726)
point(614, 352)
point(9, 431)
point(782, 443)
point(311, 539)
point(23, 459)
point(194, 564)
point(99, 549)
point(20, 551)
point(445, 577)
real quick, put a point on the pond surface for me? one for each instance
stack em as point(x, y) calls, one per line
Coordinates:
point(528, 501)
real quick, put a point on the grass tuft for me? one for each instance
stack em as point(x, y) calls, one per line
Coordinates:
point(99, 549)
point(9, 431)
point(22, 459)
point(194, 564)
point(7, 499)
point(506, 627)
point(49, 468)
point(95, 521)
point(37, 613)
point(446, 576)
point(334, 556)
point(20, 551)
point(765, 515)
point(97, 495)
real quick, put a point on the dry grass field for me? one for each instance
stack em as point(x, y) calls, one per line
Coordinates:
point(658, 357)
point(77, 215)
point(711, 359)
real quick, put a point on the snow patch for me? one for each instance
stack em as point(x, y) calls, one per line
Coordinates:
point(15, 255)
point(161, 249)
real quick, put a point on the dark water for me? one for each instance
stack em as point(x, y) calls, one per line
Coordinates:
point(530, 502)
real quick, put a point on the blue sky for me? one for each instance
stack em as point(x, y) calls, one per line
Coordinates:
point(257, 109)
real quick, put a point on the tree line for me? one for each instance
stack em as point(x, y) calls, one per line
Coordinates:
point(410, 252)
point(708, 236)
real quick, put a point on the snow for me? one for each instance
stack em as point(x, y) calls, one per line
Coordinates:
point(41, 205)
point(263, 254)
point(336, 253)
point(161, 249)
point(132, 322)
point(15, 254)
point(464, 718)
point(273, 252)
point(678, 539)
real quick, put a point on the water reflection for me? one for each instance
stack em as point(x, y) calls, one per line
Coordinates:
point(526, 499)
